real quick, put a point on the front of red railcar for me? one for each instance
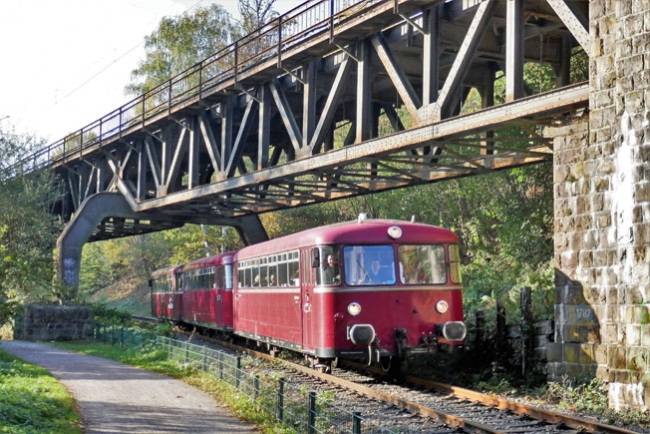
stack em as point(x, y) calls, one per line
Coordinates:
point(385, 289)
point(166, 293)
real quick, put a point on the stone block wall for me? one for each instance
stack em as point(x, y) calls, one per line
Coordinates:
point(54, 323)
point(602, 214)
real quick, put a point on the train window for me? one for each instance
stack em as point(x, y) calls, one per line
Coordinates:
point(454, 264)
point(255, 273)
point(329, 270)
point(422, 264)
point(273, 273)
point(369, 265)
point(226, 279)
point(294, 274)
point(283, 276)
point(248, 281)
point(264, 275)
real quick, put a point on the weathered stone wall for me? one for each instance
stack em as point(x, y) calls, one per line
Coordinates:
point(54, 323)
point(602, 214)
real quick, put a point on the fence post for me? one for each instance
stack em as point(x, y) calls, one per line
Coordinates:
point(256, 388)
point(501, 331)
point(526, 329)
point(237, 372)
point(356, 423)
point(220, 366)
point(311, 425)
point(280, 415)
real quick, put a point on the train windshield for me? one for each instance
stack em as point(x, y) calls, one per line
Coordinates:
point(369, 265)
point(422, 264)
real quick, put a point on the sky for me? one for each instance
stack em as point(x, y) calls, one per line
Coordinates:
point(65, 63)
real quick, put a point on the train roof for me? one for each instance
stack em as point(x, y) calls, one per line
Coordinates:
point(360, 232)
point(221, 258)
point(167, 270)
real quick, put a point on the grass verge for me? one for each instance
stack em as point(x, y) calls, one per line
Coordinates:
point(32, 401)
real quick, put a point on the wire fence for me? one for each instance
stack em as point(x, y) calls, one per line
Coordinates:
point(296, 408)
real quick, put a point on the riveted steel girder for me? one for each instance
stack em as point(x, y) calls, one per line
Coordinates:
point(320, 105)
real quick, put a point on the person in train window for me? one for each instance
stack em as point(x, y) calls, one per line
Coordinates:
point(331, 271)
point(272, 280)
point(378, 274)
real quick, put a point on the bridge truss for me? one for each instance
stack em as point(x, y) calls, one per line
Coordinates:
point(331, 100)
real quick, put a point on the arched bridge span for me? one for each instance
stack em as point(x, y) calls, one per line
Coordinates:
point(333, 99)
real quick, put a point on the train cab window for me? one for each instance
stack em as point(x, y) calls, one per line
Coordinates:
point(328, 266)
point(369, 265)
point(422, 264)
point(454, 264)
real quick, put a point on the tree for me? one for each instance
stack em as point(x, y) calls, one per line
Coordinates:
point(28, 231)
point(179, 43)
point(256, 13)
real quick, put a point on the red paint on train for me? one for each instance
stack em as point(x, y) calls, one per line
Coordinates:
point(367, 290)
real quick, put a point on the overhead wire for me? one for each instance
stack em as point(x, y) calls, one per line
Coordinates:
point(94, 76)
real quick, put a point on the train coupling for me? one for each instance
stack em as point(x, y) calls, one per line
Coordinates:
point(401, 342)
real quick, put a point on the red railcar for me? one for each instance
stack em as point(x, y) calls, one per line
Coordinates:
point(207, 293)
point(167, 293)
point(368, 290)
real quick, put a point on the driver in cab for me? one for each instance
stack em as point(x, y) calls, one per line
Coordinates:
point(377, 274)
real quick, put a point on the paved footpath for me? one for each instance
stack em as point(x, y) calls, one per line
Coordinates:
point(116, 398)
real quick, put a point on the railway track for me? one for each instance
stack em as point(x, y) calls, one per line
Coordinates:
point(425, 406)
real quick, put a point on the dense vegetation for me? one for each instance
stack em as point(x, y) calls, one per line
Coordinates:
point(28, 231)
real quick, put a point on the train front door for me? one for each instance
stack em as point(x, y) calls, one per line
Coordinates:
point(307, 289)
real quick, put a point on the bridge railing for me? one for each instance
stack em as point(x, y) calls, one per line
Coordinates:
point(299, 26)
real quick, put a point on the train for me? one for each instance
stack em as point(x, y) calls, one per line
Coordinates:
point(369, 290)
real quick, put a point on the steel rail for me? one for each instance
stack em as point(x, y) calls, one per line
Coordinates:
point(519, 408)
point(536, 413)
point(574, 422)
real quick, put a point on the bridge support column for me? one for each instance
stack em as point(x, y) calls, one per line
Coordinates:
point(103, 205)
point(602, 222)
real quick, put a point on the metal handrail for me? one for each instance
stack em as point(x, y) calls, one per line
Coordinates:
point(295, 28)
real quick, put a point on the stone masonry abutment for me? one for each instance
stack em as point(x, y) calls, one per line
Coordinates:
point(602, 214)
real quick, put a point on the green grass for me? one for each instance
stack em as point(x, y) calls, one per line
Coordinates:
point(32, 401)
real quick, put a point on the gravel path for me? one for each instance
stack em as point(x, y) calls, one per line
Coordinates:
point(116, 398)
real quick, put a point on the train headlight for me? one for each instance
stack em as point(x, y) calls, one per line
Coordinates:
point(442, 306)
point(395, 232)
point(354, 308)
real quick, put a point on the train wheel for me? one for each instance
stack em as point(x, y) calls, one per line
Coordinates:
point(324, 366)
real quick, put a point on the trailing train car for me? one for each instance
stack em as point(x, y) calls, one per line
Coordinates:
point(166, 289)
point(207, 293)
point(369, 290)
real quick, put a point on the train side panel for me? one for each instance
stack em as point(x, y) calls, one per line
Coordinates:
point(207, 296)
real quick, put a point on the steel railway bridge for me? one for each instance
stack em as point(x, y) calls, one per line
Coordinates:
point(334, 99)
